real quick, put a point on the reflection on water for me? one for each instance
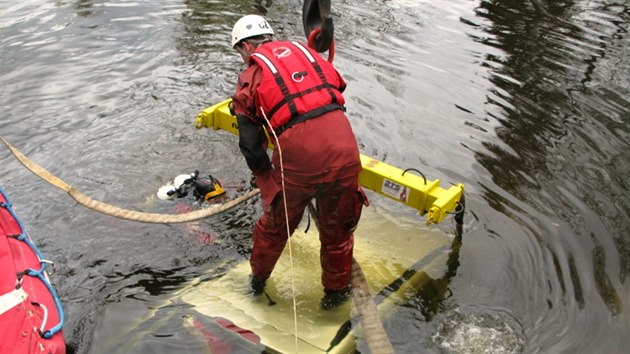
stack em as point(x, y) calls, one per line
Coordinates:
point(561, 97)
point(563, 122)
point(525, 102)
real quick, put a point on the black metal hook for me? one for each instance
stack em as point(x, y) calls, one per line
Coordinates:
point(316, 15)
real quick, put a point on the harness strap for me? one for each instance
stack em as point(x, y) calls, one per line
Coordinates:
point(318, 69)
point(289, 98)
point(308, 115)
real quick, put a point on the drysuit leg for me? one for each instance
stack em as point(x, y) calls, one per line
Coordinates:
point(270, 231)
point(339, 206)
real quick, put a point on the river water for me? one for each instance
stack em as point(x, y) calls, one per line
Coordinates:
point(527, 103)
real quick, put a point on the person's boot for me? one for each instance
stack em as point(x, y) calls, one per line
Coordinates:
point(256, 286)
point(334, 298)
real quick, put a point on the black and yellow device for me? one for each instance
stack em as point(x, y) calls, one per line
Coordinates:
point(427, 196)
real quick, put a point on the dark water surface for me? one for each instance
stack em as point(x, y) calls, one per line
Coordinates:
point(525, 102)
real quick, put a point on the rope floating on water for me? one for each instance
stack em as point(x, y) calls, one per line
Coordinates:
point(115, 211)
point(375, 334)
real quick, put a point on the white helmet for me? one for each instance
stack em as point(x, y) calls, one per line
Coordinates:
point(249, 26)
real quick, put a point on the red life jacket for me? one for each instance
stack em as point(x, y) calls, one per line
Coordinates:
point(297, 84)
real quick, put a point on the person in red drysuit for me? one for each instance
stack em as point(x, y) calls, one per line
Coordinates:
point(299, 93)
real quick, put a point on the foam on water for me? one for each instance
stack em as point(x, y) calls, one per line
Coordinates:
point(464, 331)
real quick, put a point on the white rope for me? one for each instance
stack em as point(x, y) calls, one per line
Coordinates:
point(286, 217)
point(41, 328)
